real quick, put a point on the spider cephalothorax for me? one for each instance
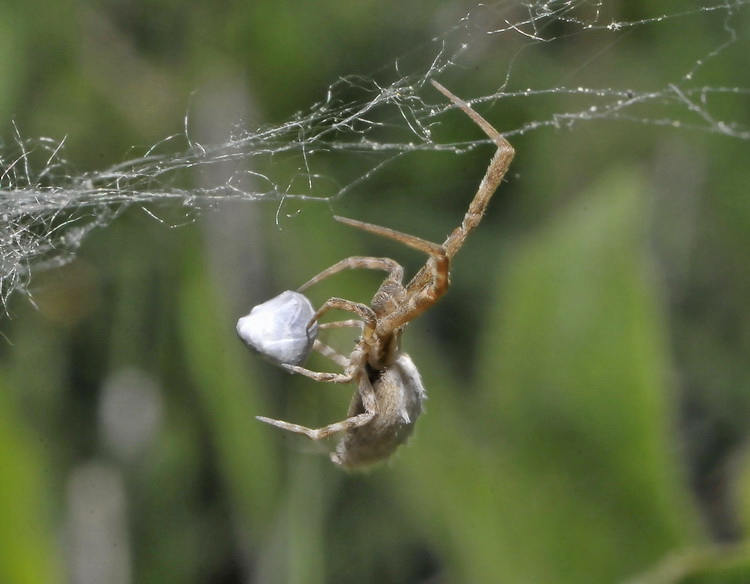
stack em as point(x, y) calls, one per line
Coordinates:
point(389, 392)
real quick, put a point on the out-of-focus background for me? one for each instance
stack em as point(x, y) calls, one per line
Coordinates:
point(588, 373)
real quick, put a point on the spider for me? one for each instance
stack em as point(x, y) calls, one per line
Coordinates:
point(390, 393)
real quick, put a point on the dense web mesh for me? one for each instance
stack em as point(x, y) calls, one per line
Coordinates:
point(47, 209)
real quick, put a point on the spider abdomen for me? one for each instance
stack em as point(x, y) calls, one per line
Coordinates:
point(400, 395)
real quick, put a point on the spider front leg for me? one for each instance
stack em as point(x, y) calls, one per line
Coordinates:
point(369, 320)
point(492, 177)
point(368, 400)
point(394, 269)
point(354, 364)
point(426, 288)
point(361, 310)
point(330, 352)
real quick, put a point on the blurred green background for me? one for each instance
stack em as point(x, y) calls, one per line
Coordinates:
point(588, 373)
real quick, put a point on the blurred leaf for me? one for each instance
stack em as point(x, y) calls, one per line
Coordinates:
point(565, 469)
point(577, 373)
point(219, 365)
point(711, 565)
point(28, 550)
point(741, 489)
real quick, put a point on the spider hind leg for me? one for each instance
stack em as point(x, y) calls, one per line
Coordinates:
point(355, 419)
point(321, 433)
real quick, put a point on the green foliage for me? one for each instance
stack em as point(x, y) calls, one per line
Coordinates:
point(229, 395)
point(28, 550)
point(565, 468)
point(580, 380)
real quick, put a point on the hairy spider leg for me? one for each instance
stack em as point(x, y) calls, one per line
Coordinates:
point(394, 269)
point(435, 250)
point(331, 353)
point(323, 376)
point(434, 276)
point(492, 178)
point(395, 275)
point(354, 323)
point(355, 364)
point(350, 364)
point(369, 402)
point(362, 310)
point(411, 240)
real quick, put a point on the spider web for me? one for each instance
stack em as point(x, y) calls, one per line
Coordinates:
point(48, 210)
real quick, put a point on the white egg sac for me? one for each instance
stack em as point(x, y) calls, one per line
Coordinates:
point(278, 329)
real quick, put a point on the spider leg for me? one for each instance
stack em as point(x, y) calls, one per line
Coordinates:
point(368, 326)
point(432, 280)
point(323, 376)
point(394, 269)
point(492, 178)
point(361, 310)
point(354, 364)
point(341, 324)
point(411, 240)
point(324, 432)
point(430, 283)
point(331, 353)
point(438, 267)
point(368, 400)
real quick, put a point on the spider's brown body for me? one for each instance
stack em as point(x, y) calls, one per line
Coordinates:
point(389, 393)
point(399, 394)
